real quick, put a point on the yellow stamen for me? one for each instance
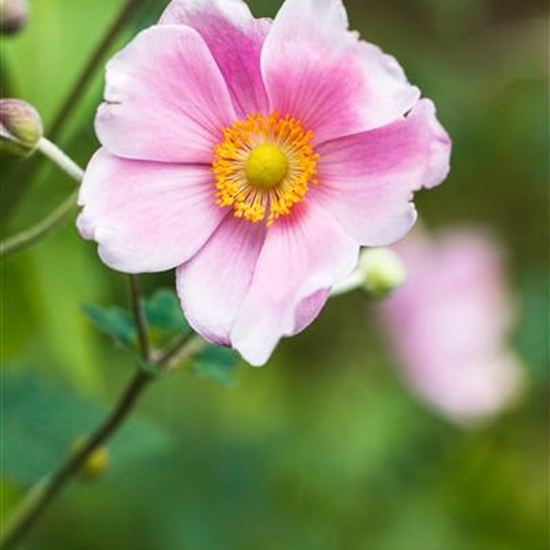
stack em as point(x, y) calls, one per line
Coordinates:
point(264, 166)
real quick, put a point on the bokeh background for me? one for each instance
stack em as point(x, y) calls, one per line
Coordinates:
point(325, 448)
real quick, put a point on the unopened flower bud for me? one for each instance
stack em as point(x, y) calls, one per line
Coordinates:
point(20, 128)
point(13, 15)
point(382, 271)
point(95, 464)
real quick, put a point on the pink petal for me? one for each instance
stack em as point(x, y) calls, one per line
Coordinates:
point(165, 98)
point(318, 71)
point(304, 255)
point(449, 324)
point(213, 284)
point(367, 180)
point(147, 216)
point(235, 40)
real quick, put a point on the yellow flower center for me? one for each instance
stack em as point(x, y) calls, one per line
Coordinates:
point(264, 166)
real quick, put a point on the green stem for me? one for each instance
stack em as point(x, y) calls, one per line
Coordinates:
point(139, 318)
point(37, 232)
point(38, 499)
point(24, 175)
point(44, 227)
point(92, 65)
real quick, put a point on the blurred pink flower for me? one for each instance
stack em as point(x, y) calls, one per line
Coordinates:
point(449, 324)
point(255, 156)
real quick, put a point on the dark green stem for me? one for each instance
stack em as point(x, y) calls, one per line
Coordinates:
point(139, 318)
point(91, 67)
point(31, 508)
point(45, 493)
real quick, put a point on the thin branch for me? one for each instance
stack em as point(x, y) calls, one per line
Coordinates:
point(45, 493)
point(192, 345)
point(37, 232)
point(51, 488)
point(44, 227)
point(92, 65)
point(24, 175)
point(139, 318)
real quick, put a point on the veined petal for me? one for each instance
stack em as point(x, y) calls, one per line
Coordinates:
point(146, 216)
point(213, 284)
point(303, 256)
point(165, 98)
point(235, 39)
point(318, 71)
point(367, 179)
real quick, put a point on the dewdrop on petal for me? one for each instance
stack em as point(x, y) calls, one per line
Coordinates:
point(95, 464)
point(20, 128)
point(14, 15)
point(382, 271)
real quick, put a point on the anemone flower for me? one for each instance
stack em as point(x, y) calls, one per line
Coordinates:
point(255, 157)
point(449, 325)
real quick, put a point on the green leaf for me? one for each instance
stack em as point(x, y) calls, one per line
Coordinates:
point(116, 322)
point(42, 420)
point(163, 311)
point(164, 317)
point(217, 364)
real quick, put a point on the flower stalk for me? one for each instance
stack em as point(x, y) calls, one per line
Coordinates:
point(37, 232)
point(57, 156)
point(70, 103)
point(44, 227)
point(47, 490)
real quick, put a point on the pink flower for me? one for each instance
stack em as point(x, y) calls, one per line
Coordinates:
point(449, 325)
point(255, 156)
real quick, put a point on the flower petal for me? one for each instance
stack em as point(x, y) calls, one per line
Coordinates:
point(213, 284)
point(165, 98)
point(146, 216)
point(304, 255)
point(367, 180)
point(449, 324)
point(235, 39)
point(318, 71)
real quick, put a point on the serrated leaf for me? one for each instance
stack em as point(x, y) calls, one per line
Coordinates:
point(115, 322)
point(217, 364)
point(42, 420)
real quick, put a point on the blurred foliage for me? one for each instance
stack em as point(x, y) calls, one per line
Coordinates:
point(325, 448)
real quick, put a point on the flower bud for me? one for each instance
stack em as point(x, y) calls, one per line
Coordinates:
point(20, 127)
point(95, 464)
point(382, 271)
point(13, 15)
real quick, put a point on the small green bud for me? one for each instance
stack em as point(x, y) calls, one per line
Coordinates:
point(13, 15)
point(382, 271)
point(95, 464)
point(20, 128)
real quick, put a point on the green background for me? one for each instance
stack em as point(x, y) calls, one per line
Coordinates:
point(325, 448)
